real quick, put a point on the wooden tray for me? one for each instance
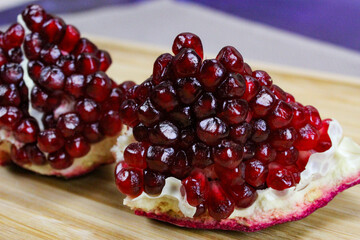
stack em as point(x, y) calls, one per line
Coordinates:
point(90, 207)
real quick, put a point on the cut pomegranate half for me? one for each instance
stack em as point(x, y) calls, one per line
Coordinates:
point(59, 111)
point(219, 146)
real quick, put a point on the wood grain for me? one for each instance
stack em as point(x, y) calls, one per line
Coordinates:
point(90, 207)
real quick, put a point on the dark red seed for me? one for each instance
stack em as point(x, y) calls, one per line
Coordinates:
point(69, 124)
point(141, 133)
point(60, 160)
point(3, 58)
point(313, 117)
point(105, 60)
point(34, 17)
point(161, 69)
point(211, 74)
point(243, 194)
point(181, 165)
point(148, 114)
point(10, 117)
point(283, 139)
point(164, 133)
point(232, 87)
point(279, 178)
point(11, 73)
point(187, 40)
point(263, 102)
point(50, 140)
point(186, 63)
point(53, 29)
point(66, 64)
point(92, 132)
point(265, 153)
point(135, 154)
point(252, 88)
point(200, 155)
point(70, 39)
point(260, 130)
point(142, 92)
point(50, 54)
point(114, 100)
point(307, 139)
point(188, 89)
point(9, 95)
point(299, 119)
point(160, 158)
point(247, 70)
point(241, 132)
point(263, 77)
point(153, 182)
point(98, 86)
point(77, 147)
point(196, 187)
point(200, 210)
point(249, 150)
point(212, 130)
point(75, 85)
point(39, 98)
point(52, 78)
point(231, 59)
point(220, 205)
point(84, 45)
point(181, 117)
point(35, 69)
point(187, 138)
point(48, 120)
point(281, 116)
point(324, 140)
point(229, 176)
point(233, 111)
point(87, 63)
point(228, 154)
point(14, 36)
point(129, 112)
point(255, 172)
point(19, 156)
point(88, 110)
point(32, 46)
point(205, 106)
point(303, 159)
point(164, 96)
point(278, 92)
point(287, 157)
point(130, 181)
point(27, 131)
point(110, 123)
point(34, 154)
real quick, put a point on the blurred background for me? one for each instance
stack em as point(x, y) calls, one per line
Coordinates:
point(322, 35)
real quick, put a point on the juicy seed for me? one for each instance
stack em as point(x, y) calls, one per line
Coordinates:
point(77, 147)
point(232, 87)
point(92, 132)
point(181, 165)
point(164, 96)
point(233, 111)
point(52, 30)
point(69, 124)
point(263, 102)
point(111, 123)
point(130, 181)
point(211, 74)
point(283, 139)
point(50, 140)
point(135, 155)
point(75, 85)
point(60, 160)
point(87, 63)
point(220, 205)
point(228, 154)
point(164, 133)
point(212, 130)
point(34, 17)
point(186, 63)
point(231, 59)
point(243, 194)
point(279, 178)
point(159, 158)
point(196, 188)
point(14, 36)
point(188, 89)
point(263, 77)
point(281, 116)
point(255, 172)
point(11, 73)
point(200, 155)
point(241, 132)
point(70, 39)
point(88, 110)
point(52, 78)
point(148, 114)
point(205, 106)
point(261, 131)
point(153, 182)
point(187, 40)
point(307, 138)
point(161, 67)
point(27, 131)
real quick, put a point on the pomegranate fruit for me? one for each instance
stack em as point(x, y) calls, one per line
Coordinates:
point(219, 146)
point(59, 111)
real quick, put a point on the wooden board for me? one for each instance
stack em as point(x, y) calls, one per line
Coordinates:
point(90, 207)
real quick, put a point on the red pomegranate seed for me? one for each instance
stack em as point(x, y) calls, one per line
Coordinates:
point(69, 124)
point(98, 86)
point(142, 92)
point(290, 98)
point(105, 60)
point(153, 182)
point(287, 157)
point(186, 63)
point(255, 172)
point(34, 70)
point(11, 73)
point(241, 132)
point(228, 154)
point(200, 210)
point(53, 29)
point(70, 39)
point(27, 130)
point(205, 106)
point(87, 63)
point(313, 117)
point(298, 120)
point(303, 159)
point(324, 140)
point(135, 155)
point(88, 110)
point(39, 98)
point(148, 114)
point(279, 178)
point(9, 95)
point(265, 153)
point(188, 89)
point(200, 155)
point(164, 133)
point(14, 36)
point(50, 54)
point(232, 87)
point(283, 139)
point(75, 85)
point(186, 138)
point(281, 116)
point(260, 130)
point(114, 100)
point(295, 172)
point(15, 55)
point(211, 74)
point(34, 17)
point(180, 166)
point(278, 92)
point(233, 111)
point(161, 68)
point(252, 88)
point(196, 187)
point(52, 78)
point(3, 58)
point(247, 70)
point(231, 59)
point(220, 205)
point(308, 137)
point(66, 64)
point(9, 117)
point(159, 158)
point(263, 102)
point(60, 160)
point(92, 132)
point(128, 113)
point(187, 40)
point(242, 194)
point(129, 181)
point(48, 120)
point(19, 156)
point(140, 133)
point(263, 77)
point(32, 46)
point(34, 154)
point(110, 123)
point(50, 140)
point(164, 96)
point(212, 130)
point(182, 117)
point(77, 147)
point(84, 45)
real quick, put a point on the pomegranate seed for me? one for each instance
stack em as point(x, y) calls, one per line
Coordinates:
point(186, 63)
point(228, 154)
point(39, 98)
point(290, 98)
point(87, 63)
point(231, 59)
point(142, 92)
point(66, 64)
point(111, 123)
point(60, 160)
point(130, 181)
point(69, 124)
point(161, 68)
point(233, 111)
point(298, 120)
point(229, 176)
point(70, 39)
point(53, 29)
point(19, 156)
point(77, 147)
point(182, 117)
point(153, 182)
point(92, 132)
point(232, 87)
point(205, 106)
point(159, 158)
point(11, 73)
point(88, 110)
point(48, 120)
point(252, 88)
point(32, 46)
point(211, 74)
point(307, 138)
point(34, 154)
point(3, 58)
point(186, 138)
point(212, 130)
point(220, 205)
point(135, 155)
point(281, 116)
point(15, 55)
point(247, 70)
point(84, 45)
point(263, 102)
point(164, 96)
point(164, 133)
point(9, 117)
point(34, 17)
point(196, 187)
point(283, 139)
point(279, 178)
point(255, 172)
point(261, 131)
point(278, 92)
point(14, 36)
point(75, 85)
point(303, 159)
point(114, 100)
point(188, 89)
point(242, 194)
point(52, 78)
point(200, 210)
point(287, 157)
point(180, 166)
point(200, 155)
point(9, 95)
point(263, 77)
point(35, 69)
point(140, 133)
point(50, 140)
point(313, 117)
point(241, 132)
point(187, 40)
point(50, 54)
point(105, 60)
point(128, 112)
point(98, 86)
point(324, 140)
point(148, 114)
point(27, 131)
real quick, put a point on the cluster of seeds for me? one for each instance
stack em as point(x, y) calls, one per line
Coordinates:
point(218, 126)
point(78, 102)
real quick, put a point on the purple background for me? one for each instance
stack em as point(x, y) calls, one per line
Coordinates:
point(334, 21)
